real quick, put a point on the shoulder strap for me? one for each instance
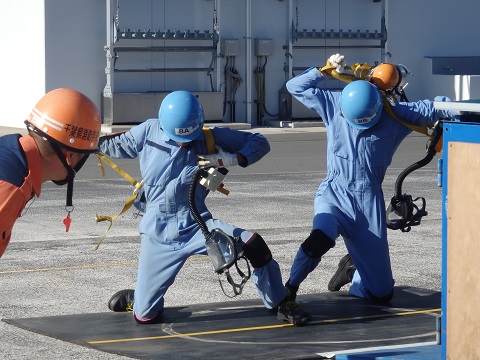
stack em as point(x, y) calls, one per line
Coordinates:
point(387, 106)
point(209, 140)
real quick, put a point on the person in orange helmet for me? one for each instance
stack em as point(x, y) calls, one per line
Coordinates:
point(63, 129)
point(385, 76)
point(391, 79)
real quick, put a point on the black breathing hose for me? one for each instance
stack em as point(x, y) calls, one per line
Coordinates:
point(191, 202)
point(431, 152)
point(408, 170)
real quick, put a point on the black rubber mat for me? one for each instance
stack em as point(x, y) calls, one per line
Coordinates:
point(244, 329)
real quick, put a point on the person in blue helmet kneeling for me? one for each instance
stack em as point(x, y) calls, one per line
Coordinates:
point(362, 139)
point(170, 150)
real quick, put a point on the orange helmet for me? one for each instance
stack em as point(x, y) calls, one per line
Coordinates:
point(386, 76)
point(68, 118)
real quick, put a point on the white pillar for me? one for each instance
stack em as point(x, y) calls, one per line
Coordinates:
point(462, 87)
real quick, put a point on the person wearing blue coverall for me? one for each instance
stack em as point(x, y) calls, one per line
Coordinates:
point(362, 139)
point(170, 149)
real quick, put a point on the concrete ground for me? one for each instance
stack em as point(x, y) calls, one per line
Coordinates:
point(46, 271)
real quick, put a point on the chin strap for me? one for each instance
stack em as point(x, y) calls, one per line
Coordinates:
point(68, 181)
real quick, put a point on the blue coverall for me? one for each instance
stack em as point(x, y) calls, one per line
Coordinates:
point(169, 232)
point(349, 202)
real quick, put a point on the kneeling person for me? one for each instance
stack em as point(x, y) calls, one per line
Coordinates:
point(170, 150)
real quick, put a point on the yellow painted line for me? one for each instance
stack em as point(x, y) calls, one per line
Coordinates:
point(380, 316)
point(66, 268)
point(79, 267)
point(215, 332)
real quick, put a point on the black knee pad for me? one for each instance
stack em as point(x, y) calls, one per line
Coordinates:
point(380, 299)
point(256, 251)
point(317, 244)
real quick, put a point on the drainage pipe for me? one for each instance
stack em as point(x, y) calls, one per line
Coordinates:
point(248, 59)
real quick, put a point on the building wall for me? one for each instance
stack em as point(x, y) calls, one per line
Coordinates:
point(60, 43)
point(74, 41)
point(418, 29)
point(22, 59)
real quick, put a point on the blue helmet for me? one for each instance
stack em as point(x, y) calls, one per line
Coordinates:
point(181, 116)
point(361, 104)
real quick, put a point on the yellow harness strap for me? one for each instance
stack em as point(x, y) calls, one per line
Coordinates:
point(128, 202)
point(360, 72)
point(210, 143)
point(387, 106)
point(209, 140)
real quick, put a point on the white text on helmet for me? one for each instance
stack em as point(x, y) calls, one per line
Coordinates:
point(364, 120)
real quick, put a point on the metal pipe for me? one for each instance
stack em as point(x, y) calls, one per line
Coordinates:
point(218, 50)
point(164, 48)
point(248, 59)
point(190, 69)
point(306, 47)
point(385, 51)
point(109, 88)
point(289, 34)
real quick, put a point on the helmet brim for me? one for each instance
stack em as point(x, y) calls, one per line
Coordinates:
point(36, 130)
point(368, 125)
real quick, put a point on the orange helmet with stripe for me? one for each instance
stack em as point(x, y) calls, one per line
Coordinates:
point(386, 76)
point(68, 118)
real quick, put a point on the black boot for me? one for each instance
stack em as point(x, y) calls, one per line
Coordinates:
point(122, 301)
point(343, 275)
point(291, 291)
point(291, 312)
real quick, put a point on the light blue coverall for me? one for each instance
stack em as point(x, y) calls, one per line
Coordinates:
point(169, 232)
point(349, 202)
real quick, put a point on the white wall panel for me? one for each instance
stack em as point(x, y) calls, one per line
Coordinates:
point(22, 59)
point(53, 43)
